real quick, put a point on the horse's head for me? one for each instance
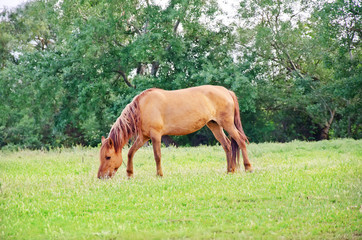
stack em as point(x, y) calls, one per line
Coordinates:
point(110, 159)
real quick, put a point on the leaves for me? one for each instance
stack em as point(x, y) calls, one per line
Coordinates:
point(70, 67)
point(299, 56)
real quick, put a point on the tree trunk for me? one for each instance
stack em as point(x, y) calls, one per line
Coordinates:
point(349, 127)
point(141, 69)
point(324, 135)
point(155, 66)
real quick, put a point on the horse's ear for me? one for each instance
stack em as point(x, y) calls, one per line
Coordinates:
point(103, 138)
point(110, 142)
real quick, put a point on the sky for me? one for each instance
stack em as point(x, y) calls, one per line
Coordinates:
point(10, 3)
point(228, 7)
point(224, 4)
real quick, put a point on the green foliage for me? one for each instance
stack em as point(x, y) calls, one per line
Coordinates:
point(339, 33)
point(69, 68)
point(301, 63)
point(299, 190)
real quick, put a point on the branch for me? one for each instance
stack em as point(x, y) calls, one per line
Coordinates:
point(146, 26)
point(125, 79)
point(174, 32)
point(85, 18)
point(118, 43)
point(131, 25)
point(148, 3)
point(293, 65)
point(271, 58)
point(176, 26)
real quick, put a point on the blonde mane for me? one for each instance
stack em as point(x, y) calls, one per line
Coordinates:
point(128, 123)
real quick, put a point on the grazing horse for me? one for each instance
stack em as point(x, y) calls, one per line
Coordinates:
point(156, 112)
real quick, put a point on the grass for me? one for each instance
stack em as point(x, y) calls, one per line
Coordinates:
point(298, 190)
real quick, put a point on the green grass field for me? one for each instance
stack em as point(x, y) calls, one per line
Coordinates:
point(298, 190)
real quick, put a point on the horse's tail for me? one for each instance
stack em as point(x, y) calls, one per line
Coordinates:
point(235, 159)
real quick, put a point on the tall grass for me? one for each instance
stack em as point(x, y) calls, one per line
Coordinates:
point(298, 190)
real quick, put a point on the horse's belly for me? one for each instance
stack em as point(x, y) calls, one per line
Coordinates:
point(184, 126)
point(188, 114)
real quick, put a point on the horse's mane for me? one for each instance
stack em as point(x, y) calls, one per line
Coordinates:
point(128, 123)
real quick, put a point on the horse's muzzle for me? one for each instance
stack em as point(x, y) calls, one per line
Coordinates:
point(107, 174)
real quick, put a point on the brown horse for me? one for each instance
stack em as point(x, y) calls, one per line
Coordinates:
point(156, 112)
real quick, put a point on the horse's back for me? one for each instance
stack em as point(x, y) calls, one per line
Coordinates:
point(207, 90)
point(184, 111)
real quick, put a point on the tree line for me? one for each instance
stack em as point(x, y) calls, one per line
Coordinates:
point(68, 68)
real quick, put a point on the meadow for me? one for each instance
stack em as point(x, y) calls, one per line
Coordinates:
point(299, 190)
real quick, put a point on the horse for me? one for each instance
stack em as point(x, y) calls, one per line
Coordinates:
point(156, 112)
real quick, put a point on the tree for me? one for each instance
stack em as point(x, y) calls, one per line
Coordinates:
point(68, 68)
point(97, 55)
point(338, 32)
point(283, 43)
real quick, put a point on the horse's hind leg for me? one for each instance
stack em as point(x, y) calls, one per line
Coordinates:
point(140, 141)
point(234, 134)
point(224, 141)
point(156, 143)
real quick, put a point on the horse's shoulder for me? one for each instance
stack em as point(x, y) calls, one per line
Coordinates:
point(152, 95)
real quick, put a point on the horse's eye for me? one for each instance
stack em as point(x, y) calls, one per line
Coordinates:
point(108, 158)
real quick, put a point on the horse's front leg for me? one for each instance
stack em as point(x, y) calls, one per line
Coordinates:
point(156, 143)
point(140, 141)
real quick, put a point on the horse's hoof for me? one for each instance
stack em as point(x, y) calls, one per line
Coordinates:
point(130, 176)
point(249, 170)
